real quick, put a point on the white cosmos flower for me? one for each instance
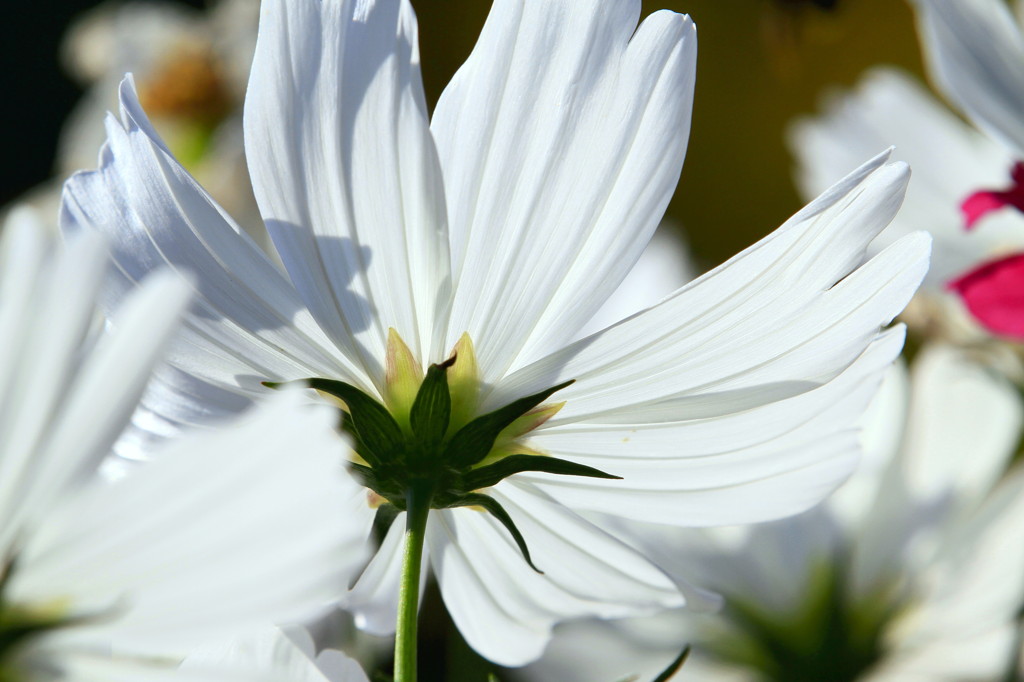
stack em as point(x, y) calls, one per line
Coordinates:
point(911, 571)
point(499, 228)
point(227, 530)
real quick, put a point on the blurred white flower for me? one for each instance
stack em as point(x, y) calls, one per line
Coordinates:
point(975, 50)
point(968, 189)
point(911, 571)
point(951, 160)
point(190, 68)
point(560, 142)
point(227, 530)
point(273, 655)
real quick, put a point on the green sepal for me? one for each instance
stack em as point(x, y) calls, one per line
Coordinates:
point(492, 474)
point(18, 626)
point(432, 408)
point(366, 475)
point(382, 520)
point(15, 633)
point(674, 666)
point(370, 478)
point(474, 440)
point(498, 512)
point(378, 436)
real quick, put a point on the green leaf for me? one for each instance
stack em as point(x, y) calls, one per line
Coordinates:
point(379, 438)
point(432, 408)
point(498, 512)
point(474, 440)
point(674, 666)
point(492, 474)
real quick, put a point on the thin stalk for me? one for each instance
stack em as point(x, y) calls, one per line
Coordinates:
point(417, 505)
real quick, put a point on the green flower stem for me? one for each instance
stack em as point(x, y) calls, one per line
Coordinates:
point(417, 505)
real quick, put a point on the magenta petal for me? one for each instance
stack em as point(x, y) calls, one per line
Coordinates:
point(994, 293)
point(979, 204)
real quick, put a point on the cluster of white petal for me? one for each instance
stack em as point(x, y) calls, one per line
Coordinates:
point(927, 536)
point(225, 531)
point(512, 215)
point(929, 526)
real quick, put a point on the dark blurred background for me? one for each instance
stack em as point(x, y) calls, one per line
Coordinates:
point(761, 62)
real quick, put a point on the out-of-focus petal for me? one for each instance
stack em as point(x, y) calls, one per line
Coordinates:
point(224, 529)
point(975, 51)
point(994, 293)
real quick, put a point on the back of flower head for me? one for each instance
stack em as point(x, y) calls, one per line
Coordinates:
point(229, 529)
point(732, 400)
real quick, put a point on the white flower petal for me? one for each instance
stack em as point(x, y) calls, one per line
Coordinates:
point(615, 651)
point(950, 159)
point(972, 591)
point(984, 657)
point(765, 462)
point(175, 401)
point(46, 307)
point(91, 667)
point(223, 530)
point(114, 376)
point(345, 171)
point(51, 432)
point(373, 600)
point(506, 610)
point(782, 317)
point(964, 427)
point(883, 427)
point(274, 655)
point(960, 431)
point(248, 323)
point(975, 51)
point(664, 266)
point(561, 140)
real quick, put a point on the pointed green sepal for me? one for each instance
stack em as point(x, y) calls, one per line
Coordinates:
point(673, 667)
point(474, 440)
point(432, 408)
point(382, 520)
point(366, 475)
point(492, 474)
point(497, 511)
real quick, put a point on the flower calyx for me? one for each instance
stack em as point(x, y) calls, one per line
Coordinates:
point(427, 450)
point(21, 624)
